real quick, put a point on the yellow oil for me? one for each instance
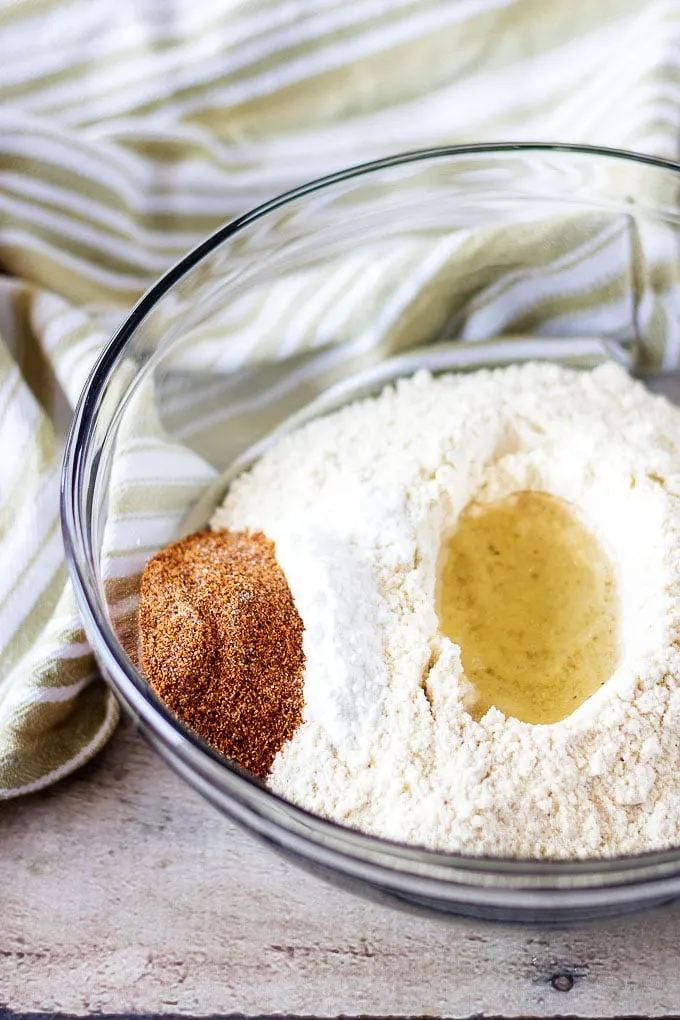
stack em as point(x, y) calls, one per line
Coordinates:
point(529, 595)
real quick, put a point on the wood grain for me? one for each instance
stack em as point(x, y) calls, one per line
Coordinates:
point(122, 891)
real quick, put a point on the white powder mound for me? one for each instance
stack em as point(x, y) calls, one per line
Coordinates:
point(344, 643)
point(357, 504)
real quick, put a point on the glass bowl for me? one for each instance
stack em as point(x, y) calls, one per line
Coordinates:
point(449, 258)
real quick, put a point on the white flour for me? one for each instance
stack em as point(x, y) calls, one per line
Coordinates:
point(357, 503)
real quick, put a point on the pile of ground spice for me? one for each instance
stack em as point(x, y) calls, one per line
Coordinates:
point(221, 643)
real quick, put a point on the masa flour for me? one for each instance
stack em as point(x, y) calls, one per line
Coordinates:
point(357, 504)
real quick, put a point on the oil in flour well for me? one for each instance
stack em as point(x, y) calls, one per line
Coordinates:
point(530, 597)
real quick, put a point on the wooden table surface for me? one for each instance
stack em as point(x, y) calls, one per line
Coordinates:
point(122, 891)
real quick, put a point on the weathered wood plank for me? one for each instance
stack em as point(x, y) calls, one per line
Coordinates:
point(9, 1014)
point(122, 891)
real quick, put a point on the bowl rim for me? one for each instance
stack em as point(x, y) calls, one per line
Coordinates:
point(172, 738)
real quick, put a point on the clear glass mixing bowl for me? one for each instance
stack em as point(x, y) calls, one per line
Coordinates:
point(561, 252)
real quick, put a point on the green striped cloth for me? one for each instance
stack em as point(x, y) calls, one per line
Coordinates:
point(129, 130)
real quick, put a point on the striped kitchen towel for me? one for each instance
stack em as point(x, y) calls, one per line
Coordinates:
point(129, 130)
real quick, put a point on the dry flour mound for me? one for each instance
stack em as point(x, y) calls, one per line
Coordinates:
point(357, 504)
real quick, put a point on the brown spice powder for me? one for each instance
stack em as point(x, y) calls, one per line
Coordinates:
point(221, 643)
